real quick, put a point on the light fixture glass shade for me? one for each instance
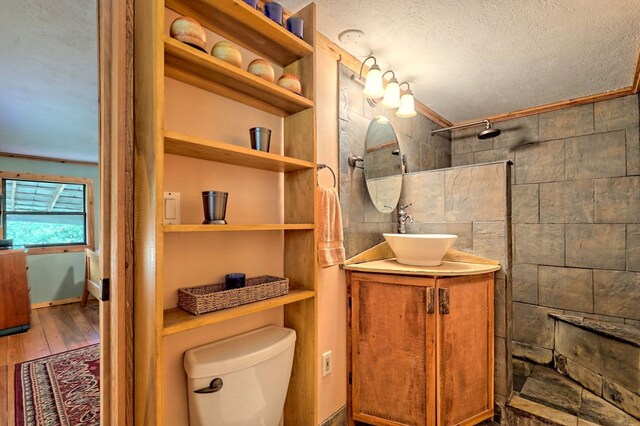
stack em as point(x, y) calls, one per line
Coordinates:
point(373, 86)
point(407, 105)
point(391, 94)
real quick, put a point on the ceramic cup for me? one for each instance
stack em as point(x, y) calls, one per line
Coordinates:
point(252, 3)
point(295, 26)
point(273, 11)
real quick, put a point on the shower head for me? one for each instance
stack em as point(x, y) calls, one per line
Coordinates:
point(489, 132)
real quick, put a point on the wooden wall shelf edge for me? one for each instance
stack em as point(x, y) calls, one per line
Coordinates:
point(191, 66)
point(176, 320)
point(238, 22)
point(194, 147)
point(238, 228)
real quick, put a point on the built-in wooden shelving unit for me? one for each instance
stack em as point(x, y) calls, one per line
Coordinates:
point(159, 56)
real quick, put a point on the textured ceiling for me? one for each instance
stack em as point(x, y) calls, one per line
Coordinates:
point(475, 58)
point(466, 59)
point(48, 78)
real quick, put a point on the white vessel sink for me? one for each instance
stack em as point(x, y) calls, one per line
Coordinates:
point(420, 249)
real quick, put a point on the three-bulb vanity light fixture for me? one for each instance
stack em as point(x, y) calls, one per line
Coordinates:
point(391, 94)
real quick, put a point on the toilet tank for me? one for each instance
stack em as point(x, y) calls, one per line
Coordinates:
point(241, 380)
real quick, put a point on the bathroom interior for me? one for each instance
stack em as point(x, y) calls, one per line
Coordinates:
point(504, 134)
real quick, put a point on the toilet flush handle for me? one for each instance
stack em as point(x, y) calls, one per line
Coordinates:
point(214, 386)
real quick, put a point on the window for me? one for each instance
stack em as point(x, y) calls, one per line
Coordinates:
point(47, 211)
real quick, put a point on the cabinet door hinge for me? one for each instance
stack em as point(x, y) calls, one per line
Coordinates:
point(443, 300)
point(430, 300)
point(350, 378)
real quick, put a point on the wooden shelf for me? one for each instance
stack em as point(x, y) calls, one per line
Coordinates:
point(176, 320)
point(238, 228)
point(207, 72)
point(189, 146)
point(239, 23)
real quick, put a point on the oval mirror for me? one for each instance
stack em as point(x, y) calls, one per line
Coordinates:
point(383, 164)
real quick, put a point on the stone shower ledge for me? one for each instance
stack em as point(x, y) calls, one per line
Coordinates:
point(622, 332)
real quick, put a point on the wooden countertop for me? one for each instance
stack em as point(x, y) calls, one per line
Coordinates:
point(380, 259)
point(447, 269)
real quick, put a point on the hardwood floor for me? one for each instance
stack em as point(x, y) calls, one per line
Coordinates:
point(53, 330)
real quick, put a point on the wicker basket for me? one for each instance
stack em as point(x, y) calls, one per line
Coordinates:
point(213, 297)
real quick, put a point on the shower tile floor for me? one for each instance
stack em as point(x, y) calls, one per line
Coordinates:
point(555, 399)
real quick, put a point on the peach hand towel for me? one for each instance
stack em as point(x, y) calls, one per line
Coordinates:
point(330, 245)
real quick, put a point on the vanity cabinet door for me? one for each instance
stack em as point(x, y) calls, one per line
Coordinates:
point(392, 349)
point(465, 349)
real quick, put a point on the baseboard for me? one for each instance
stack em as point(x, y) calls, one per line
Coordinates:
point(55, 303)
point(339, 418)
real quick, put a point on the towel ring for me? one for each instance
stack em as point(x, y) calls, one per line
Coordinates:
point(324, 166)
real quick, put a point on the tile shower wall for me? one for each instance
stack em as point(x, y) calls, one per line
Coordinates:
point(471, 202)
point(363, 224)
point(576, 215)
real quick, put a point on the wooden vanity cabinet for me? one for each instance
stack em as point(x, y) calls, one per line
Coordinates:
point(420, 349)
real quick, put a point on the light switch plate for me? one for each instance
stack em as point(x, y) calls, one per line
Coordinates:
point(171, 208)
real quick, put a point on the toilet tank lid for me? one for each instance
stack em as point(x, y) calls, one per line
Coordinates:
point(237, 352)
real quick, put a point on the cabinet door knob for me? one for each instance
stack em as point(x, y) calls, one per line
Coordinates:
point(443, 301)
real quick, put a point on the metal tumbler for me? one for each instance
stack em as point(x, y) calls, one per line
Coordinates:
point(215, 207)
point(260, 138)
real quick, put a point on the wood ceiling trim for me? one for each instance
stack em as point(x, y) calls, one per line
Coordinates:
point(556, 106)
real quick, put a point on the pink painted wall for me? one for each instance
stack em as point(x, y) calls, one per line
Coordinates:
point(332, 300)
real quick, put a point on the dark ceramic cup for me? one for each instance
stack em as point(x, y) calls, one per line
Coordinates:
point(295, 26)
point(234, 280)
point(273, 11)
point(252, 3)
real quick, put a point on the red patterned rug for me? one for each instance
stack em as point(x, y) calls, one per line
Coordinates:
point(61, 389)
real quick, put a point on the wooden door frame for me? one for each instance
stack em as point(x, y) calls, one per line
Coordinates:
point(115, 94)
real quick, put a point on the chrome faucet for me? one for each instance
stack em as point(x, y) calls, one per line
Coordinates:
point(403, 217)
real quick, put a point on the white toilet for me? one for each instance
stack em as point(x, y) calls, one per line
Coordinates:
point(242, 380)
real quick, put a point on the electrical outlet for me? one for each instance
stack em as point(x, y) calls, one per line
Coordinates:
point(326, 363)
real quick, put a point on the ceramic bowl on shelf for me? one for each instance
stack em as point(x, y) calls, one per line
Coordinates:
point(262, 69)
point(227, 52)
point(189, 31)
point(290, 82)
